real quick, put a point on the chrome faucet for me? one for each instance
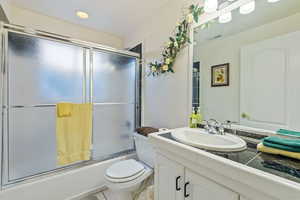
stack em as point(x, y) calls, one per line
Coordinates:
point(212, 126)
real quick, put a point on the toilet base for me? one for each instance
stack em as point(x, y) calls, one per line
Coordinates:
point(123, 190)
point(118, 195)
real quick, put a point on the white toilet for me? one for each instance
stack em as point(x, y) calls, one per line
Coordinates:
point(126, 176)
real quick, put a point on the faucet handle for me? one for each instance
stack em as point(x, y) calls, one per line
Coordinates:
point(212, 122)
point(205, 123)
point(221, 128)
point(229, 123)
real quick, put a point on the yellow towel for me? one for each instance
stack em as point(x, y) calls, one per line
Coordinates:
point(262, 148)
point(73, 132)
point(64, 109)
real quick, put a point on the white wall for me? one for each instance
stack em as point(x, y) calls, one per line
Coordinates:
point(223, 103)
point(20, 16)
point(62, 186)
point(165, 98)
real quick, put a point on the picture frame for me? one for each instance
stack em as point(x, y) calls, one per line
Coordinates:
point(220, 75)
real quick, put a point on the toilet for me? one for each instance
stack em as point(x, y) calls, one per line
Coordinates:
point(126, 176)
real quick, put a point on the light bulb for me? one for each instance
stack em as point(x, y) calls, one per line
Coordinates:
point(82, 15)
point(225, 18)
point(273, 1)
point(247, 8)
point(210, 6)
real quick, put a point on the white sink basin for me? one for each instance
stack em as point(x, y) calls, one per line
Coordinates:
point(200, 138)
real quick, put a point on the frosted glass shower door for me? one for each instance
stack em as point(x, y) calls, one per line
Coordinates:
point(41, 73)
point(114, 103)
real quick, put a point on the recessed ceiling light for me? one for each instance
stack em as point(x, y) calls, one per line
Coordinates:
point(82, 15)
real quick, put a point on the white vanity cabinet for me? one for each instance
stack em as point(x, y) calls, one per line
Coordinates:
point(169, 179)
point(187, 173)
point(173, 181)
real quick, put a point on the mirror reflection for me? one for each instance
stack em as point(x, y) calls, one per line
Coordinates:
point(247, 65)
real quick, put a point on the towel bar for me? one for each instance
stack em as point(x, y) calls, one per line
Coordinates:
point(53, 105)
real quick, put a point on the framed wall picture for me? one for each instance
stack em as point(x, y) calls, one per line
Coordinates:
point(220, 75)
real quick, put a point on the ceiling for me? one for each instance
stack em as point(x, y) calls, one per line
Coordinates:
point(119, 17)
point(264, 13)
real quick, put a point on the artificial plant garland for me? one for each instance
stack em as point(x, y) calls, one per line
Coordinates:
point(177, 42)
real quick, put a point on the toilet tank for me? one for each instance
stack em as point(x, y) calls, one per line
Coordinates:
point(144, 149)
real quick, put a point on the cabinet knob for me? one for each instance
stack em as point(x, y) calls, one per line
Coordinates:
point(185, 190)
point(177, 184)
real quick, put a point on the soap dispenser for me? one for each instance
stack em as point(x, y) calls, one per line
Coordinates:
point(199, 117)
point(193, 119)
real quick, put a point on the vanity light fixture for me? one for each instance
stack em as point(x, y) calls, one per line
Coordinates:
point(82, 15)
point(273, 1)
point(247, 8)
point(225, 18)
point(210, 6)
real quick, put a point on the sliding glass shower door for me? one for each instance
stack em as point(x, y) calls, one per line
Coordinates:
point(114, 102)
point(40, 72)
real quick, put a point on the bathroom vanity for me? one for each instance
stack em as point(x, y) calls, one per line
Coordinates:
point(186, 172)
point(243, 72)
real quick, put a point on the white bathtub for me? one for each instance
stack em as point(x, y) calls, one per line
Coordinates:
point(64, 185)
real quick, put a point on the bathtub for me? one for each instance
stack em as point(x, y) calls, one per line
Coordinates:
point(66, 185)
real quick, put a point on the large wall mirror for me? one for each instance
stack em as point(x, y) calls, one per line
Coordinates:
point(248, 66)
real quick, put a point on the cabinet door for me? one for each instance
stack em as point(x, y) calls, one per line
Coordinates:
point(200, 188)
point(169, 179)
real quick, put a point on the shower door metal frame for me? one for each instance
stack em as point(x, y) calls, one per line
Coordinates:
point(88, 48)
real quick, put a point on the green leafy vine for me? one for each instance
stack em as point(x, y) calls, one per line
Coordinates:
point(177, 42)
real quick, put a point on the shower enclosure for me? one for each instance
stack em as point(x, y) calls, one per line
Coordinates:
point(40, 69)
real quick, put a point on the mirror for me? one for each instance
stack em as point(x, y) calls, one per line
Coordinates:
point(248, 70)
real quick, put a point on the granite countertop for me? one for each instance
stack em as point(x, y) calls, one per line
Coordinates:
point(278, 165)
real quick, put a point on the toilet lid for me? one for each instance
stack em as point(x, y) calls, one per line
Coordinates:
point(124, 180)
point(125, 169)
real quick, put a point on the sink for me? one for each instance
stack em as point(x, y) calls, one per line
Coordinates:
point(200, 138)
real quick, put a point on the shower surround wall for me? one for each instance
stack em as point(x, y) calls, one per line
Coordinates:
point(42, 69)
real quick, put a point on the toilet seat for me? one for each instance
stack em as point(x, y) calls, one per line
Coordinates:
point(124, 171)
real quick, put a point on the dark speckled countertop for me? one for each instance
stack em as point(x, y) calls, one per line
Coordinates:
point(278, 165)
